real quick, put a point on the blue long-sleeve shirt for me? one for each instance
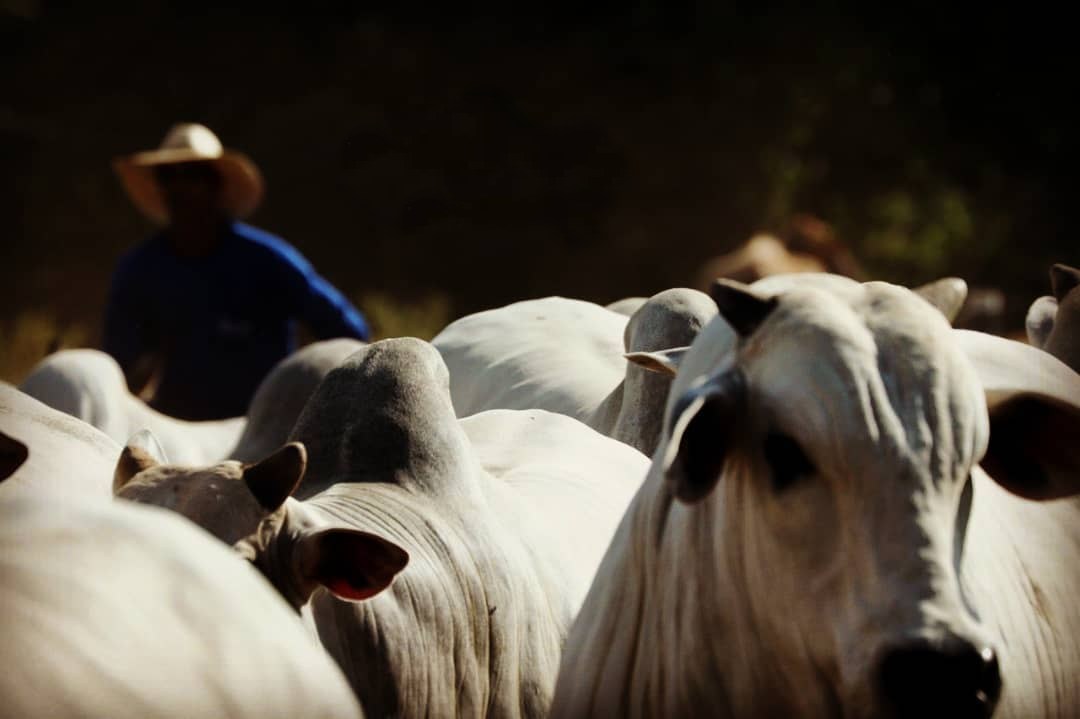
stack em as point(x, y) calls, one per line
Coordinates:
point(222, 320)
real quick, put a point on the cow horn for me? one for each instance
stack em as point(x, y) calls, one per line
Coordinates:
point(143, 452)
point(947, 294)
point(1062, 279)
point(742, 307)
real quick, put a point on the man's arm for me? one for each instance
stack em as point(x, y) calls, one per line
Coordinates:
point(322, 307)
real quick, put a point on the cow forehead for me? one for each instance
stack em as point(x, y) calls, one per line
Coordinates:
point(188, 482)
point(215, 498)
point(876, 366)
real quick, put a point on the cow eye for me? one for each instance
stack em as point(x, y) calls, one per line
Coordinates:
point(786, 460)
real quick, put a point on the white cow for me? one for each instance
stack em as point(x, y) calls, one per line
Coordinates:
point(89, 384)
point(493, 526)
point(68, 456)
point(569, 356)
point(1053, 322)
point(627, 305)
point(816, 536)
point(281, 396)
point(116, 610)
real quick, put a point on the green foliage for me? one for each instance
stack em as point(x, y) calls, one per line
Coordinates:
point(917, 235)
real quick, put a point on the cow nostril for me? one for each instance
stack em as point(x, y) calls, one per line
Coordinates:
point(991, 677)
point(952, 678)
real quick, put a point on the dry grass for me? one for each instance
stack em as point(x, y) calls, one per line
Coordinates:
point(29, 336)
point(390, 316)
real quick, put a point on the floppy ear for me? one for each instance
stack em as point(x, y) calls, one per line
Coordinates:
point(1034, 449)
point(1063, 279)
point(141, 453)
point(1033, 400)
point(705, 421)
point(663, 361)
point(946, 294)
point(352, 564)
point(12, 455)
point(274, 479)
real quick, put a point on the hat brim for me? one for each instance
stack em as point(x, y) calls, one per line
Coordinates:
point(241, 181)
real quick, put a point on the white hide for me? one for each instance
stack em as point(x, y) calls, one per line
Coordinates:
point(66, 455)
point(89, 385)
point(558, 354)
point(567, 356)
point(627, 305)
point(499, 564)
point(758, 601)
point(281, 396)
point(504, 516)
point(116, 610)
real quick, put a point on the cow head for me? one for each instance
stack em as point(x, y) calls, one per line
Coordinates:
point(828, 447)
point(671, 318)
point(299, 554)
point(249, 507)
point(228, 499)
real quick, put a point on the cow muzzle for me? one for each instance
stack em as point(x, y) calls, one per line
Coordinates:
point(947, 677)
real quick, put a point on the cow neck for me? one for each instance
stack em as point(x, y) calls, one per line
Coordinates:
point(643, 394)
point(670, 319)
point(455, 610)
point(607, 414)
point(272, 548)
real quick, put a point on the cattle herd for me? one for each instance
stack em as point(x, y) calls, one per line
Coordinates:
point(801, 496)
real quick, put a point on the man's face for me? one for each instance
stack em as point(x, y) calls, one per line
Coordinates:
point(191, 191)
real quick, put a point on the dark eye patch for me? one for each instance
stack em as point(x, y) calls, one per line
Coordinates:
point(787, 462)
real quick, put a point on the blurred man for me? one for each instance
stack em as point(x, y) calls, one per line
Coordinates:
point(200, 312)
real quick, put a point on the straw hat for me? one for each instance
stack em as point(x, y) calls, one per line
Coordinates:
point(241, 181)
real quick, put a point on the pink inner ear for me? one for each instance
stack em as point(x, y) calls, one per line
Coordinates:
point(345, 590)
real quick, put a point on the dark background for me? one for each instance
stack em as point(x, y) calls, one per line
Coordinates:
point(466, 156)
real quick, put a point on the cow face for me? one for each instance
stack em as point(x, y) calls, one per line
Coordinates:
point(833, 450)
